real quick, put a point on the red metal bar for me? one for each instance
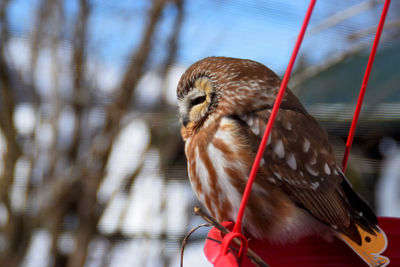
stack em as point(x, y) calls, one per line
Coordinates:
point(260, 152)
point(364, 84)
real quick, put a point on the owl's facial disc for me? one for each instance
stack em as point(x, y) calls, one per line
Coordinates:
point(195, 105)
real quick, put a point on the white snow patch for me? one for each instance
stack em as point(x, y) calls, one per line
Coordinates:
point(143, 212)
point(24, 118)
point(125, 157)
point(38, 254)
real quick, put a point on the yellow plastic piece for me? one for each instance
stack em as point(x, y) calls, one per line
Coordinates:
point(371, 247)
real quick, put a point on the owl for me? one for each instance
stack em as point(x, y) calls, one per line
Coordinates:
point(299, 190)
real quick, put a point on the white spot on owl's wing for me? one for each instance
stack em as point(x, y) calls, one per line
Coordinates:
point(291, 161)
point(327, 169)
point(251, 121)
point(314, 185)
point(277, 175)
point(306, 145)
point(269, 140)
point(288, 125)
point(255, 128)
point(311, 170)
point(243, 117)
point(259, 190)
point(279, 150)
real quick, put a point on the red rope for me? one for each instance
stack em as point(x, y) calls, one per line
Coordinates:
point(364, 84)
point(260, 152)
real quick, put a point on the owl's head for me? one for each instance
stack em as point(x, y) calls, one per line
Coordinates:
point(222, 86)
point(198, 102)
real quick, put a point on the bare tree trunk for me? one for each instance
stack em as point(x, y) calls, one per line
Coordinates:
point(88, 212)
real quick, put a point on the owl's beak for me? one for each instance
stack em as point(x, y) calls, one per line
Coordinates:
point(185, 120)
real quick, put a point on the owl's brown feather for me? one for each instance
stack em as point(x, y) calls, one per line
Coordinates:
point(299, 188)
point(313, 179)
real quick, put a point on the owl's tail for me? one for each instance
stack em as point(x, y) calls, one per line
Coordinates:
point(370, 247)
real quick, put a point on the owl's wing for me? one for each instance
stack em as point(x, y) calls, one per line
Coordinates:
point(299, 159)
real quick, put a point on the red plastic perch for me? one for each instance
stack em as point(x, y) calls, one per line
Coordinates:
point(311, 251)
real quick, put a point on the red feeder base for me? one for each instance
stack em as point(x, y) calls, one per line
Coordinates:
point(310, 251)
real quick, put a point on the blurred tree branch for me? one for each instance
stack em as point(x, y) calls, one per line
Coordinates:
point(11, 254)
point(344, 15)
point(360, 34)
point(94, 170)
point(62, 181)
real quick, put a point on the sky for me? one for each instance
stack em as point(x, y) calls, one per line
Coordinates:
point(260, 30)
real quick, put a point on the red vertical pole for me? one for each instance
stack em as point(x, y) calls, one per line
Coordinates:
point(364, 84)
point(260, 152)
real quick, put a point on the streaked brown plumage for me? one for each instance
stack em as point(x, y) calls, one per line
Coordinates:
point(225, 104)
